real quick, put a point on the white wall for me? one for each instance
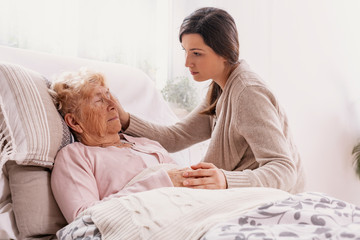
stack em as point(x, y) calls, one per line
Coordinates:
point(315, 70)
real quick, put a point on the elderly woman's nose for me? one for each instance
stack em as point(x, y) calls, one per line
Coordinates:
point(111, 103)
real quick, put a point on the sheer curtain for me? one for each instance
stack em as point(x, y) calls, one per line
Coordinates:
point(129, 32)
point(144, 33)
point(307, 50)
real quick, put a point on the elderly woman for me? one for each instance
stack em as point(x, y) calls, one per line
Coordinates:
point(103, 162)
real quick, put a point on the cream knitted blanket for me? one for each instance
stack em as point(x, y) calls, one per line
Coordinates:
point(175, 213)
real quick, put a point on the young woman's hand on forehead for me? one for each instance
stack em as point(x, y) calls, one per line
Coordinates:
point(123, 115)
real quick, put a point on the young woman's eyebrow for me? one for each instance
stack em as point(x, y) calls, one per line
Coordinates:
point(193, 49)
point(196, 49)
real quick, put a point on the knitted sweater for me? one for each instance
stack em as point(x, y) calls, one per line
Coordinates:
point(250, 138)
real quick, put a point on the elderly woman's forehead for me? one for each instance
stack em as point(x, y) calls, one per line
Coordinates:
point(93, 89)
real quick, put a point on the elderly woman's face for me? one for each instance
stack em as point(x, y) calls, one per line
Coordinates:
point(98, 112)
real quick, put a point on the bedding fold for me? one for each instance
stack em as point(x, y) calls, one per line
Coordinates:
point(175, 213)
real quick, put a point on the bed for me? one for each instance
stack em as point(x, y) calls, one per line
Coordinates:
point(32, 132)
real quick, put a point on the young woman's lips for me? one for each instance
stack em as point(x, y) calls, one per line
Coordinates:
point(194, 73)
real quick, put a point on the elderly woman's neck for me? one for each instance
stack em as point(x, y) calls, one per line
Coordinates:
point(106, 141)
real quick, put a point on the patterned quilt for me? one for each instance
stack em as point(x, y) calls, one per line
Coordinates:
point(304, 216)
point(308, 215)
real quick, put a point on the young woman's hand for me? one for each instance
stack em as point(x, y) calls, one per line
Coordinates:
point(205, 175)
point(123, 115)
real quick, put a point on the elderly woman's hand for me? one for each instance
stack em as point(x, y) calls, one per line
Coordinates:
point(176, 176)
point(205, 175)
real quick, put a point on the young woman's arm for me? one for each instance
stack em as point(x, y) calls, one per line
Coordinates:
point(192, 129)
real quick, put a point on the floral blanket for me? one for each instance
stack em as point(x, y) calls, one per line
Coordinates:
point(308, 215)
point(304, 216)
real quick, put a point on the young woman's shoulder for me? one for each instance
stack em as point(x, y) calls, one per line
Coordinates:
point(244, 76)
point(247, 88)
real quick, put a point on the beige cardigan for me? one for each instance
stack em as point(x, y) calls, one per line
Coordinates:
point(250, 137)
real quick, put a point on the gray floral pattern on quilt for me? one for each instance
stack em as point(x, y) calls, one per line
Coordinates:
point(304, 216)
point(82, 228)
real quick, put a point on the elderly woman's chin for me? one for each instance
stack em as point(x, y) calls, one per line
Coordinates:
point(114, 124)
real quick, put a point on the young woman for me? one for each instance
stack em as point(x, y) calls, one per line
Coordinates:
point(251, 145)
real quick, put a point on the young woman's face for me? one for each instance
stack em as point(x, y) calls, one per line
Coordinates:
point(99, 116)
point(202, 61)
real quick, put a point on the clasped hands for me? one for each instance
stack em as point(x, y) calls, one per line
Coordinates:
point(202, 175)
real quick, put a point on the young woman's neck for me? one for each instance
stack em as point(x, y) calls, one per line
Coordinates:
point(227, 72)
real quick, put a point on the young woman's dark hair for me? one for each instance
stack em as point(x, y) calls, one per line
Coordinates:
point(218, 29)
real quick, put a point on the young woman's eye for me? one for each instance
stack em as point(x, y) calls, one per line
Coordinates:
point(197, 54)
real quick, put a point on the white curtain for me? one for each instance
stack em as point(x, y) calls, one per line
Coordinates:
point(307, 50)
point(130, 32)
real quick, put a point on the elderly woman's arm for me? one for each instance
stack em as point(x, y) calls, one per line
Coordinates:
point(73, 184)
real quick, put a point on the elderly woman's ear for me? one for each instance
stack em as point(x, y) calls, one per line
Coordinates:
point(73, 123)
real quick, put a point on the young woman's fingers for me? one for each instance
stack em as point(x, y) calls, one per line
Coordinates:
point(199, 173)
point(204, 177)
point(192, 182)
point(204, 165)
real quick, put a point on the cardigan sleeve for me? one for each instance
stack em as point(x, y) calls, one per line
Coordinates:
point(192, 129)
point(73, 183)
point(261, 122)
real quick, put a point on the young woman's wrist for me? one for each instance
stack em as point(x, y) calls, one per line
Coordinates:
point(125, 121)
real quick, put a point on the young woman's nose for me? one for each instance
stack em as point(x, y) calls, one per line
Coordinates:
point(188, 62)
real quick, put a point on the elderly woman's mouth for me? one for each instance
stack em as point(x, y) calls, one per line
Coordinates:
point(114, 118)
